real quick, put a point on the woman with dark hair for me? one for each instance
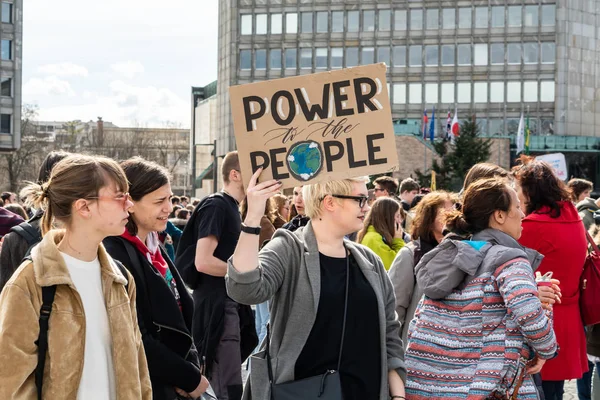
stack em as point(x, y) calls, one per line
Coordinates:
point(164, 306)
point(553, 227)
point(480, 330)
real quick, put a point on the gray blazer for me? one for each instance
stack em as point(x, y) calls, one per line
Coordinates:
point(289, 275)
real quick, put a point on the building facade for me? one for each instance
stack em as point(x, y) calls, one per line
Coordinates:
point(494, 59)
point(11, 37)
point(203, 141)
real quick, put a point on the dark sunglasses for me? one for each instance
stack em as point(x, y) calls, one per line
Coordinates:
point(361, 200)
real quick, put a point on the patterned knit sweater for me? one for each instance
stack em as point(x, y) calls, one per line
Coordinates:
point(479, 322)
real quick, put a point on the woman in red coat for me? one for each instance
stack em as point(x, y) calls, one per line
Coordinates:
point(553, 227)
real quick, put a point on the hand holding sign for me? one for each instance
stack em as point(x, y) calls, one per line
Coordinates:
point(257, 195)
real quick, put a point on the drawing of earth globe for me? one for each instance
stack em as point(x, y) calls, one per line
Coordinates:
point(305, 160)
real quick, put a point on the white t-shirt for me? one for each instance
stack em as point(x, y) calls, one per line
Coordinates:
point(98, 378)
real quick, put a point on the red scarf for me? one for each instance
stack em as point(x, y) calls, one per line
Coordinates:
point(151, 252)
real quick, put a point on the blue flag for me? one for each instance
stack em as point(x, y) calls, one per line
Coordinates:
point(432, 126)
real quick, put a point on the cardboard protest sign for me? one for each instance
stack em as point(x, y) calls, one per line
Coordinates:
point(558, 162)
point(312, 128)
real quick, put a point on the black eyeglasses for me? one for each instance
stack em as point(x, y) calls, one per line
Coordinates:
point(361, 200)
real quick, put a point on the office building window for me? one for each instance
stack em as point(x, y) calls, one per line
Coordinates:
point(291, 56)
point(547, 91)
point(432, 58)
point(275, 57)
point(530, 53)
point(385, 20)
point(431, 93)
point(481, 17)
point(448, 93)
point(368, 21)
point(5, 122)
point(449, 18)
point(260, 59)
point(515, 16)
point(513, 92)
point(549, 15)
point(261, 24)
point(6, 89)
point(7, 12)
point(496, 126)
point(416, 19)
point(433, 18)
point(480, 90)
point(531, 16)
point(497, 53)
point(399, 93)
point(245, 59)
point(415, 93)
point(464, 54)
point(400, 20)
point(246, 22)
point(306, 58)
point(367, 55)
point(322, 21)
point(548, 53)
point(383, 55)
point(497, 92)
point(498, 17)
point(514, 53)
point(337, 57)
point(321, 57)
point(465, 16)
point(276, 24)
point(399, 56)
point(307, 22)
point(353, 21)
point(351, 56)
point(463, 92)
point(480, 51)
point(291, 23)
point(448, 54)
point(337, 21)
point(415, 55)
point(530, 91)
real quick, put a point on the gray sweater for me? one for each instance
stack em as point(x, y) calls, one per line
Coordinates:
point(289, 276)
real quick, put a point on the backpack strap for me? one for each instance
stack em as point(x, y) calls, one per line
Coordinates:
point(27, 232)
point(48, 293)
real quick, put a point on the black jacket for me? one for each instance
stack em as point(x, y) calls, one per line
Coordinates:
point(170, 351)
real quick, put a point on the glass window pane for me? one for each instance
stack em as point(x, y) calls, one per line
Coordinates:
point(547, 91)
point(480, 92)
point(291, 23)
point(464, 18)
point(5, 123)
point(385, 20)
point(321, 57)
point(448, 54)
point(431, 93)
point(416, 55)
point(306, 58)
point(337, 21)
point(549, 15)
point(322, 21)
point(433, 18)
point(481, 17)
point(416, 19)
point(245, 59)
point(6, 89)
point(531, 16)
point(514, 53)
point(399, 56)
point(400, 20)
point(449, 18)
point(368, 55)
point(7, 12)
point(513, 92)
point(368, 21)
point(497, 53)
point(463, 92)
point(432, 56)
point(353, 21)
point(246, 22)
point(261, 24)
point(530, 89)
point(351, 56)
point(307, 22)
point(448, 93)
point(514, 16)
point(496, 127)
point(481, 54)
point(399, 93)
point(275, 59)
point(548, 53)
point(337, 57)
point(291, 56)
point(497, 17)
point(276, 24)
point(260, 59)
point(530, 53)
point(464, 54)
point(497, 92)
point(415, 93)
point(383, 55)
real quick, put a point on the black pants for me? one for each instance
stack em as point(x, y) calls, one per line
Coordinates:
point(553, 390)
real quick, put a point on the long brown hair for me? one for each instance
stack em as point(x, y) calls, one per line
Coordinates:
point(277, 201)
point(381, 217)
point(426, 213)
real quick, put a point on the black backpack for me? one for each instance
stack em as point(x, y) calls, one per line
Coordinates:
point(32, 235)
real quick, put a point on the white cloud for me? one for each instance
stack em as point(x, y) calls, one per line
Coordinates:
point(128, 69)
point(48, 86)
point(63, 69)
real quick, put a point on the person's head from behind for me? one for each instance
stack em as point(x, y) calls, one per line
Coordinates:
point(385, 186)
point(49, 162)
point(580, 189)
point(183, 214)
point(409, 188)
point(84, 193)
point(386, 217)
point(430, 216)
point(175, 200)
point(484, 170)
point(341, 205)
point(488, 203)
point(184, 201)
point(17, 209)
point(298, 200)
point(230, 170)
point(150, 191)
point(281, 206)
point(9, 197)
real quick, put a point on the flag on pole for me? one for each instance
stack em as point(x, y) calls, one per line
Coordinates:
point(432, 126)
point(455, 128)
point(521, 135)
point(527, 135)
point(448, 126)
point(424, 128)
point(433, 183)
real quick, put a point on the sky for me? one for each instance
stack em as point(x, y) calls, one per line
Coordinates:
point(131, 62)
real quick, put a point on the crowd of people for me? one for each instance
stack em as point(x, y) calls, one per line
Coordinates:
point(113, 288)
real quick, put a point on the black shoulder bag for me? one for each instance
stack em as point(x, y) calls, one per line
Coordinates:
point(322, 387)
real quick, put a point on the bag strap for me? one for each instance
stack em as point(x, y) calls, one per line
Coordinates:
point(48, 293)
point(31, 235)
point(592, 243)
